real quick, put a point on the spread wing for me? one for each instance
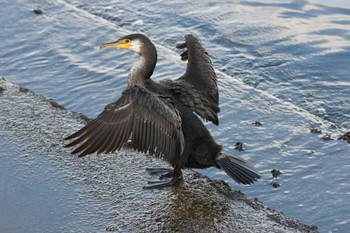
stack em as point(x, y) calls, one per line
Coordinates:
point(200, 75)
point(151, 122)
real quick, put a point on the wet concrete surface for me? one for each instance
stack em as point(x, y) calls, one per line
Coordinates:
point(44, 188)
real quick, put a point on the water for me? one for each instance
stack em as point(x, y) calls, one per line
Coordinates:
point(284, 63)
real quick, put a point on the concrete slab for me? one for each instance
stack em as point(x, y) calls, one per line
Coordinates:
point(104, 193)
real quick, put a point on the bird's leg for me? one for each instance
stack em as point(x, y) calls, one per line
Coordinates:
point(176, 177)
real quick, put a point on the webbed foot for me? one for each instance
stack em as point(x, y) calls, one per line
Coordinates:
point(175, 176)
point(162, 172)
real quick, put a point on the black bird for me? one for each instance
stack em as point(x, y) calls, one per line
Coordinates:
point(159, 117)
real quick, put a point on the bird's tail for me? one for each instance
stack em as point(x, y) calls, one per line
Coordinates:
point(238, 169)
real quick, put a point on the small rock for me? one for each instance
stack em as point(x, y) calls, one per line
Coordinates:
point(38, 11)
point(275, 173)
point(345, 137)
point(23, 89)
point(315, 130)
point(327, 137)
point(239, 146)
point(257, 123)
point(275, 184)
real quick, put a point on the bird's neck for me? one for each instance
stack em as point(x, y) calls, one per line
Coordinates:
point(144, 68)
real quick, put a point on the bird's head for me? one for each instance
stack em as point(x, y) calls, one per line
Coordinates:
point(133, 42)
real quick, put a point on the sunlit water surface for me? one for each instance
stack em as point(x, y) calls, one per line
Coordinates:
point(284, 63)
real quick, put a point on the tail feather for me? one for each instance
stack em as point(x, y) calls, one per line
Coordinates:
point(238, 169)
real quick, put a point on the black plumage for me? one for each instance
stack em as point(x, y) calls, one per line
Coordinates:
point(159, 117)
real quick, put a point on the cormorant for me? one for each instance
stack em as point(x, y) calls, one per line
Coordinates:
point(159, 117)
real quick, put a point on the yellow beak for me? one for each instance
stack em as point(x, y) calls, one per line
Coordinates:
point(122, 44)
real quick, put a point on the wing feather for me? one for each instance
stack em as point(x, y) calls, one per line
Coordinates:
point(200, 90)
point(152, 123)
point(109, 138)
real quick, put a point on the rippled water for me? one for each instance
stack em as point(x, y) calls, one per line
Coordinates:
point(284, 63)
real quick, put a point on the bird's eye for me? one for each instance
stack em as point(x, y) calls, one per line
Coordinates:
point(126, 40)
